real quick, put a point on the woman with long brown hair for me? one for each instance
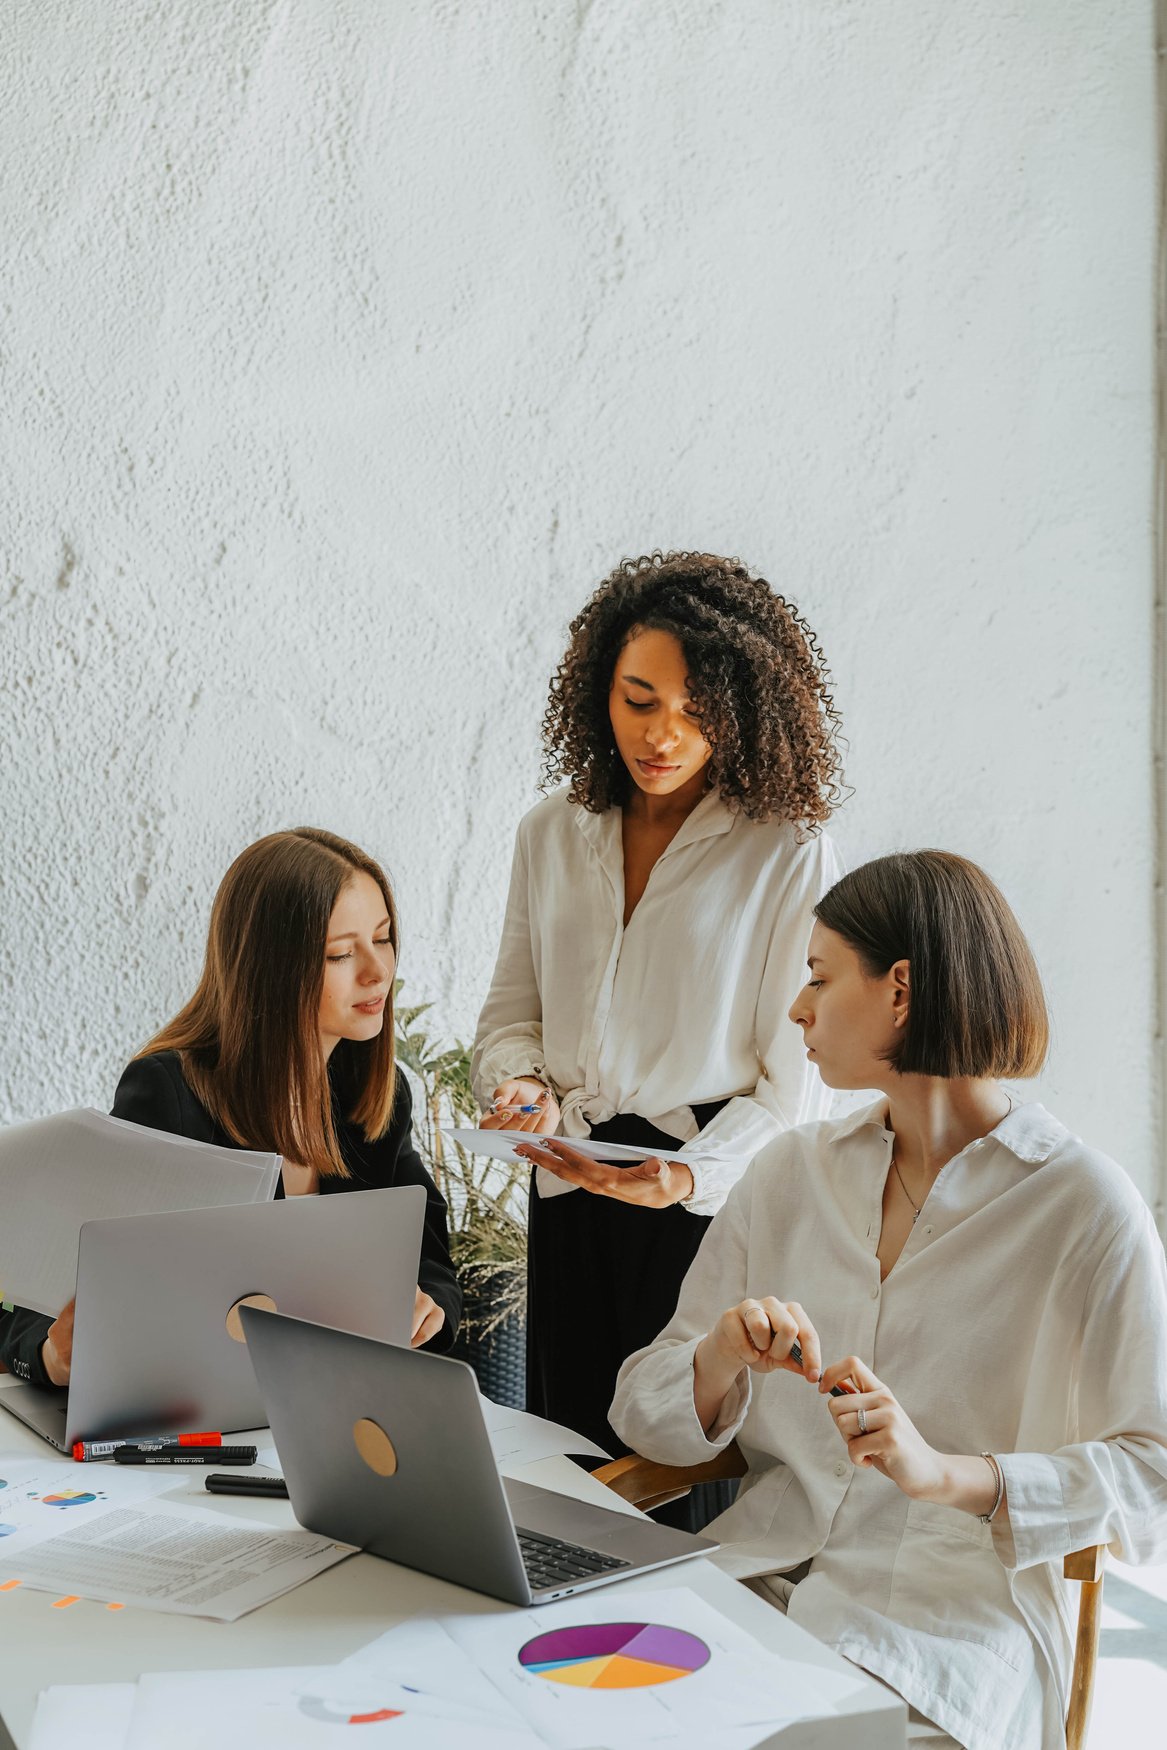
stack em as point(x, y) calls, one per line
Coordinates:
point(287, 1046)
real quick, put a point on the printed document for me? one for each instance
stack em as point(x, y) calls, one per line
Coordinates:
point(412, 1689)
point(57, 1173)
point(167, 1556)
point(631, 1668)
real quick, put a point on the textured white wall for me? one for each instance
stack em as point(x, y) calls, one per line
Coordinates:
point(345, 343)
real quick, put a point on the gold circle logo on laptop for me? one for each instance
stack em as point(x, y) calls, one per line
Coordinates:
point(235, 1323)
point(375, 1447)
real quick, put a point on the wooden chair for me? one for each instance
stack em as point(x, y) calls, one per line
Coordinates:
point(649, 1485)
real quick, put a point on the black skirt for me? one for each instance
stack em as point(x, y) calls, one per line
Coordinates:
point(602, 1281)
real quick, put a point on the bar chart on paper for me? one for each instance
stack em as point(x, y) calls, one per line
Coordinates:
point(614, 1655)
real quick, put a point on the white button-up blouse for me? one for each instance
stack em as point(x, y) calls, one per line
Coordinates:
point(1025, 1316)
point(685, 1005)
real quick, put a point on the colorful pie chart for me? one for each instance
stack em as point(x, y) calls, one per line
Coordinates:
point(614, 1655)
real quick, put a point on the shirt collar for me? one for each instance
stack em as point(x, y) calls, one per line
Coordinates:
point(1028, 1131)
point(604, 832)
point(851, 1122)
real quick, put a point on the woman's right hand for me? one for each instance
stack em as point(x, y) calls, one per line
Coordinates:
point(757, 1334)
point(760, 1334)
point(57, 1348)
point(523, 1091)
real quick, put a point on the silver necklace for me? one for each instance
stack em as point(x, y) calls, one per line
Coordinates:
point(916, 1207)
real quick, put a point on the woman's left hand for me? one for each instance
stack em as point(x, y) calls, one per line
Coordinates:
point(892, 1444)
point(428, 1318)
point(651, 1184)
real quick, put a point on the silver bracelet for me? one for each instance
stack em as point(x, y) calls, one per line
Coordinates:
point(987, 1518)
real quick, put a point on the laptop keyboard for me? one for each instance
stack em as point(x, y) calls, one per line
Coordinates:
point(551, 1563)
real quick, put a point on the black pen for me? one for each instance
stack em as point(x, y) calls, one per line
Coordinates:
point(203, 1455)
point(836, 1391)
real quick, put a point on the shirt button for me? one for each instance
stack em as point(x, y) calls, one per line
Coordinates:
point(927, 1230)
point(841, 1469)
point(875, 1294)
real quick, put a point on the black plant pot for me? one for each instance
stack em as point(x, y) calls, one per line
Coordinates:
point(499, 1358)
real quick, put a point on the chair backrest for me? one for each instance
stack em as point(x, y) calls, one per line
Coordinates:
point(648, 1484)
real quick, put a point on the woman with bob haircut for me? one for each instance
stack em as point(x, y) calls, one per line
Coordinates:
point(658, 913)
point(286, 1046)
point(988, 1292)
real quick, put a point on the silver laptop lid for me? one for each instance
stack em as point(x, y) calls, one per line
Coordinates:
point(159, 1343)
point(387, 1449)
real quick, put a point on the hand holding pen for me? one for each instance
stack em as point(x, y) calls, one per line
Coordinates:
point(523, 1104)
point(764, 1335)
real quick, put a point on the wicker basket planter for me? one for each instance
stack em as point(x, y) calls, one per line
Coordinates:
point(497, 1351)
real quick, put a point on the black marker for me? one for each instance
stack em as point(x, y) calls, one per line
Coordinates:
point(273, 1487)
point(203, 1455)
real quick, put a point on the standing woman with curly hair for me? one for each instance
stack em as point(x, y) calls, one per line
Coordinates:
point(658, 918)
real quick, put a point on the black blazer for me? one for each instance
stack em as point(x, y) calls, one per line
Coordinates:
point(154, 1092)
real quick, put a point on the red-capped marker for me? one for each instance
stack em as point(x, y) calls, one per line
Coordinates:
point(87, 1449)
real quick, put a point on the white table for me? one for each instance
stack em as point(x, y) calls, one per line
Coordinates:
point(351, 1604)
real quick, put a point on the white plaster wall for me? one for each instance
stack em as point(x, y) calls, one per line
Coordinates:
point(345, 343)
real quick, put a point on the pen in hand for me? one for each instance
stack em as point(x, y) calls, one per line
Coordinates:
point(836, 1391)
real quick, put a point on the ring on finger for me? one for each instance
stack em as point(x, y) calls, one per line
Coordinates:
point(862, 1420)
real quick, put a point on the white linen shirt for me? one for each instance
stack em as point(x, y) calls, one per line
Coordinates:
point(685, 1005)
point(1025, 1316)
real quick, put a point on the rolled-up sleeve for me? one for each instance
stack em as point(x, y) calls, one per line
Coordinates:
point(653, 1409)
point(1111, 1486)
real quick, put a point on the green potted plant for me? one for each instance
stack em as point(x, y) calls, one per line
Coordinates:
point(487, 1203)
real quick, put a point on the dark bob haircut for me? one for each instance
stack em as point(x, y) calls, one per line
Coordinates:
point(757, 679)
point(975, 1006)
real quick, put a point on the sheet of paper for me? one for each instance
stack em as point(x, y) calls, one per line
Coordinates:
point(500, 1145)
point(640, 1667)
point(57, 1173)
point(41, 1498)
point(95, 1715)
point(412, 1688)
point(171, 1557)
point(517, 1437)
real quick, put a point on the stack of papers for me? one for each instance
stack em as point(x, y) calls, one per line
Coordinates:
point(100, 1531)
point(682, 1675)
point(57, 1173)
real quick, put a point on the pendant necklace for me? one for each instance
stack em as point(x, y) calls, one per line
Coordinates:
point(915, 1207)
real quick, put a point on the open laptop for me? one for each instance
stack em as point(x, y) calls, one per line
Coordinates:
point(387, 1449)
point(158, 1344)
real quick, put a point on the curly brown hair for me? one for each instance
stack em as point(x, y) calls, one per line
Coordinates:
point(757, 678)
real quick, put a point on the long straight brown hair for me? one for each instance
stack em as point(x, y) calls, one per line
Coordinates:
point(248, 1039)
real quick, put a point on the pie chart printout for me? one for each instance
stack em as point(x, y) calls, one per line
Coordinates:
point(314, 1707)
point(614, 1655)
